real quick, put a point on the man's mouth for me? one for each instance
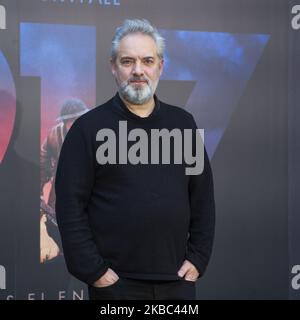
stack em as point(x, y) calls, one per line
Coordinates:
point(138, 81)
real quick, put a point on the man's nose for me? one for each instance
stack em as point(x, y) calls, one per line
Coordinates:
point(138, 69)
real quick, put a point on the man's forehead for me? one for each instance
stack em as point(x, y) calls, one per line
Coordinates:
point(137, 45)
point(136, 56)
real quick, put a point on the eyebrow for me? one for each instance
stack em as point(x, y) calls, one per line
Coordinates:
point(131, 58)
point(125, 57)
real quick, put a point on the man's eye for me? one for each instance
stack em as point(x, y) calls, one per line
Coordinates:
point(148, 61)
point(126, 62)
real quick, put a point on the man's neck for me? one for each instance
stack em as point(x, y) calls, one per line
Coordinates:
point(142, 110)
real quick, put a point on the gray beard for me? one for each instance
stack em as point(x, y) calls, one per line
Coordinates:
point(136, 96)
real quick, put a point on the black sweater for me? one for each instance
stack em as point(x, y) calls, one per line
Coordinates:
point(140, 220)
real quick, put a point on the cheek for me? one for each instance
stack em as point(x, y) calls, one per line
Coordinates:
point(153, 74)
point(123, 75)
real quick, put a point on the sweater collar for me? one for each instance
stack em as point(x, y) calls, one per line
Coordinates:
point(121, 107)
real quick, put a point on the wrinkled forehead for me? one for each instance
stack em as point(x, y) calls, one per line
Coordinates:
point(137, 45)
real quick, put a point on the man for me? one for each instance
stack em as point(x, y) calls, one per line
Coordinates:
point(71, 109)
point(133, 231)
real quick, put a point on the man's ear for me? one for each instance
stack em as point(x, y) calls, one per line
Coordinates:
point(113, 67)
point(161, 65)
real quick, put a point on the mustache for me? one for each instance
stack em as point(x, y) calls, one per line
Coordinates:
point(138, 79)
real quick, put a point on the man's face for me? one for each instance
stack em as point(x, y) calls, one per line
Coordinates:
point(137, 68)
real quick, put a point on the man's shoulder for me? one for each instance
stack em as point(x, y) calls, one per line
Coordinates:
point(95, 114)
point(173, 110)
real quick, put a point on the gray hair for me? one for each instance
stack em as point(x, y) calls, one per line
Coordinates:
point(137, 26)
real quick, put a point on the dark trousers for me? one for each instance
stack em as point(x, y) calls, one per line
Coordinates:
point(133, 289)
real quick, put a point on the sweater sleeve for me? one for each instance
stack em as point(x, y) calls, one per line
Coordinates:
point(73, 186)
point(202, 222)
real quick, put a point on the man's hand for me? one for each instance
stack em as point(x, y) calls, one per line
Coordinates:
point(109, 278)
point(188, 271)
point(48, 247)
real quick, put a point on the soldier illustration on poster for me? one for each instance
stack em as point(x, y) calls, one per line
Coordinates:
point(50, 241)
